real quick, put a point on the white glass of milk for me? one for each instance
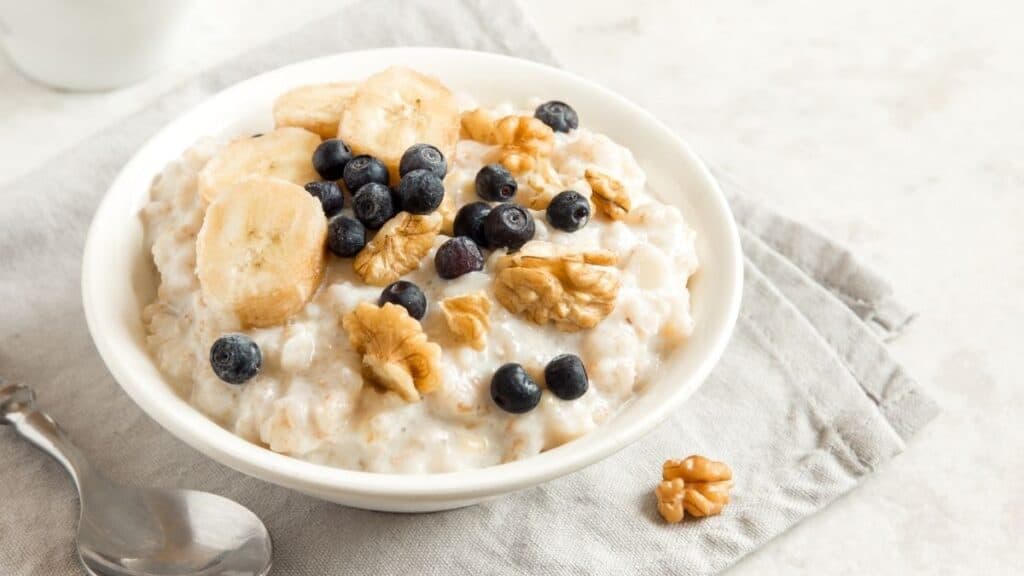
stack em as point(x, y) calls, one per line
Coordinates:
point(91, 44)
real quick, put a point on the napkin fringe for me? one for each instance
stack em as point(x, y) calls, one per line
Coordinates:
point(856, 342)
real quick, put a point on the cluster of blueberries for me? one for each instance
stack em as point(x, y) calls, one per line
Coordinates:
point(236, 358)
point(420, 190)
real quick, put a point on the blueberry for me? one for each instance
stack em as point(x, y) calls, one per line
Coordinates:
point(346, 236)
point(513, 390)
point(470, 222)
point(423, 157)
point(362, 170)
point(420, 192)
point(566, 377)
point(509, 226)
point(456, 257)
point(372, 205)
point(558, 115)
point(407, 295)
point(330, 158)
point(235, 358)
point(569, 211)
point(329, 194)
point(495, 183)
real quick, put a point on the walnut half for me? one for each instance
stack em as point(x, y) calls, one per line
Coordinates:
point(467, 317)
point(478, 124)
point(396, 353)
point(542, 184)
point(522, 141)
point(609, 195)
point(695, 485)
point(397, 248)
point(569, 287)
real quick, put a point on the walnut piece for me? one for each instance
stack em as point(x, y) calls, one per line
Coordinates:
point(467, 317)
point(542, 184)
point(397, 248)
point(609, 195)
point(570, 287)
point(522, 140)
point(478, 125)
point(696, 485)
point(396, 353)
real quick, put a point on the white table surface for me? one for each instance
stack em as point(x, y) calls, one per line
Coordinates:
point(898, 127)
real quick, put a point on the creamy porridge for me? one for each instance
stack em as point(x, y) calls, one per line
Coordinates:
point(621, 302)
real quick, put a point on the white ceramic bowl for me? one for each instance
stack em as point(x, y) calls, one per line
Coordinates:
point(118, 277)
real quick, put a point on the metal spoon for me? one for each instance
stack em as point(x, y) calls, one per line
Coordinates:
point(126, 531)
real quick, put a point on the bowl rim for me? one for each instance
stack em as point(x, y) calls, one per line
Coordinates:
point(202, 433)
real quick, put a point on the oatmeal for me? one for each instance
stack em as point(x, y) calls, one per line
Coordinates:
point(414, 380)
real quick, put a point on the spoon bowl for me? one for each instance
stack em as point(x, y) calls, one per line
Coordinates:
point(126, 531)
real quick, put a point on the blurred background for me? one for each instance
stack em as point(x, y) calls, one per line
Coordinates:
point(894, 126)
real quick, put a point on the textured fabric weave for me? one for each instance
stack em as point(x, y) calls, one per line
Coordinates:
point(806, 401)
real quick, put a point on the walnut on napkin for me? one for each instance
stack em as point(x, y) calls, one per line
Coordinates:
point(695, 485)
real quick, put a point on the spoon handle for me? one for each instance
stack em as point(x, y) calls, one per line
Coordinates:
point(18, 408)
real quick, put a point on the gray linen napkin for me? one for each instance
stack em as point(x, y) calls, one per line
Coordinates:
point(805, 403)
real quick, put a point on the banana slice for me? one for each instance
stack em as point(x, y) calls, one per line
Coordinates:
point(285, 153)
point(315, 107)
point(260, 251)
point(396, 108)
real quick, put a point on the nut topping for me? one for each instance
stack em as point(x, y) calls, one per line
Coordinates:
point(478, 125)
point(467, 317)
point(523, 140)
point(545, 282)
point(543, 183)
point(397, 248)
point(609, 195)
point(396, 353)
